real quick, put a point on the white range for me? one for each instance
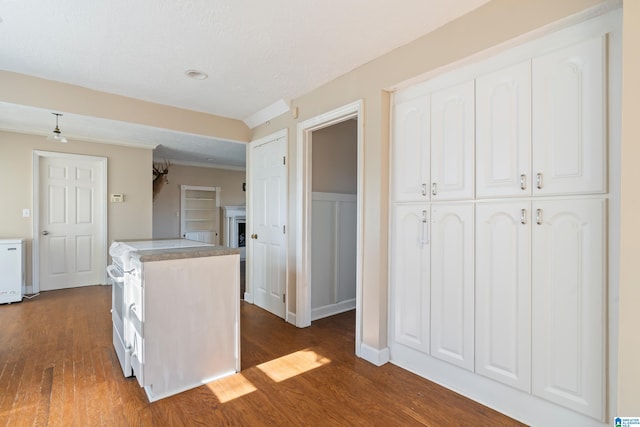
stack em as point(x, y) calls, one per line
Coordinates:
point(176, 312)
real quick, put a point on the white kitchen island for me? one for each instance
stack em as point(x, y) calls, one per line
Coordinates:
point(182, 325)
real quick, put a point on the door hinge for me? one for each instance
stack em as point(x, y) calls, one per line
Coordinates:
point(284, 160)
point(283, 295)
point(284, 229)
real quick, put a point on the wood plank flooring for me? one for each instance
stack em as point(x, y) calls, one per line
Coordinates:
point(58, 368)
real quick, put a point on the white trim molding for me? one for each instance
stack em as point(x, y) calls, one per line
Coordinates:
point(274, 110)
point(373, 355)
point(303, 210)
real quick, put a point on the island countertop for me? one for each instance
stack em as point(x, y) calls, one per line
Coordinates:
point(150, 255)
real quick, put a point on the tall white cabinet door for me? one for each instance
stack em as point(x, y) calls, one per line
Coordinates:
point(569, 120)
point(452, 276)
point(503, 292)
point(568, 303)
point(411, 149)
point(452, 142)
point(503, 132)
point(410, 276)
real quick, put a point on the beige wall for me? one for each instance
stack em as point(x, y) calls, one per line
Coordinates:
point(166, 206)
point(129, 220)
point(629, 319)
point(497, 22)
point(335, 158)
point(491, 25)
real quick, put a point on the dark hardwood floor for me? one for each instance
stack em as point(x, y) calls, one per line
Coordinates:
point(58, 368)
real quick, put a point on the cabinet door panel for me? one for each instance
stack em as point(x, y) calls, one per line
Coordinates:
point(569, 128)
point(452, 275)
point(411, 149)
point(568, 303)
point(503, 132)
point(452, 142)
point(503, 292)
point(410, 276)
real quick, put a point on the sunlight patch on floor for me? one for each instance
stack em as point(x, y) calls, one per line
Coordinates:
point(231, 387)
point(293, 364)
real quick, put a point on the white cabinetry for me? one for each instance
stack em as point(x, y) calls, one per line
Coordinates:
point(432, 256)
point(509, 281)
point(563, 137)
point(503, 132)
point(569, 120)
point(436, 159)
point(410, 258)
point(503, 292)
point(540, 298)
point(452, 142)
point(200, 213)
point(411, 158)
point(452, 262)
point(568, 303)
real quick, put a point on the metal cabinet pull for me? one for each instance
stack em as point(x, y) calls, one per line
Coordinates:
point(523, 216)
point(434, 189)
point(539, 181)
point(424, 189)
point(539, 216)
point(523, 182)
point(425, 229)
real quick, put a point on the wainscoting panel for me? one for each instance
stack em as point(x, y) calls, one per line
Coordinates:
point(333, 254)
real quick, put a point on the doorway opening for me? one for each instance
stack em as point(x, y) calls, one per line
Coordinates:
point(345, 117)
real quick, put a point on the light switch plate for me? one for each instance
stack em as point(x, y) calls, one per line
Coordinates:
point(26, 213)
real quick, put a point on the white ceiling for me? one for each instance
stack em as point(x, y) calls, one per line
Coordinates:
point(255, 53)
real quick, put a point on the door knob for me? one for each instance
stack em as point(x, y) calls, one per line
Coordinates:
point(45, 233)
point(254, 236)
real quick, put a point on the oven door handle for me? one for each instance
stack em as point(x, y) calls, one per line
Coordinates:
point(111, 270)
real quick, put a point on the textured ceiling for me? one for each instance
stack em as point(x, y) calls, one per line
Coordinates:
point(254, 52)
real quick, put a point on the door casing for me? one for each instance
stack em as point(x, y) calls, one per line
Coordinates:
point(305, 129)
point(35, 250)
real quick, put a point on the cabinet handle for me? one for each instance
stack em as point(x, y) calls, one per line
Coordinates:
point(539, 216)
point(424, 189)
point(425, 229)
point(539, 180)
point(523, 182)
point(523, 216)
point(434, 189)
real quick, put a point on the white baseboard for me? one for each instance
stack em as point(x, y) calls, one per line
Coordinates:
point(330, 310)
point(248, 297)
point(373, 355)
point(291, 318)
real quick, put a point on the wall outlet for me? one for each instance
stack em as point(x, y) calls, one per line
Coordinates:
point(26, 213)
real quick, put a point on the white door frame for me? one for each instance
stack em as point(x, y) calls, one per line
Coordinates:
point(303, 210)
point(35, 249)
point(248, 294)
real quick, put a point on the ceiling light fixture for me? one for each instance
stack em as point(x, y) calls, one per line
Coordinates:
point(196, 74)
point(56, 135)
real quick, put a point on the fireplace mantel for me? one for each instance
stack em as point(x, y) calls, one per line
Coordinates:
point(235, 218)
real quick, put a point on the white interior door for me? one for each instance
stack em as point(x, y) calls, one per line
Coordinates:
point(268, 186)
point(71, 200)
